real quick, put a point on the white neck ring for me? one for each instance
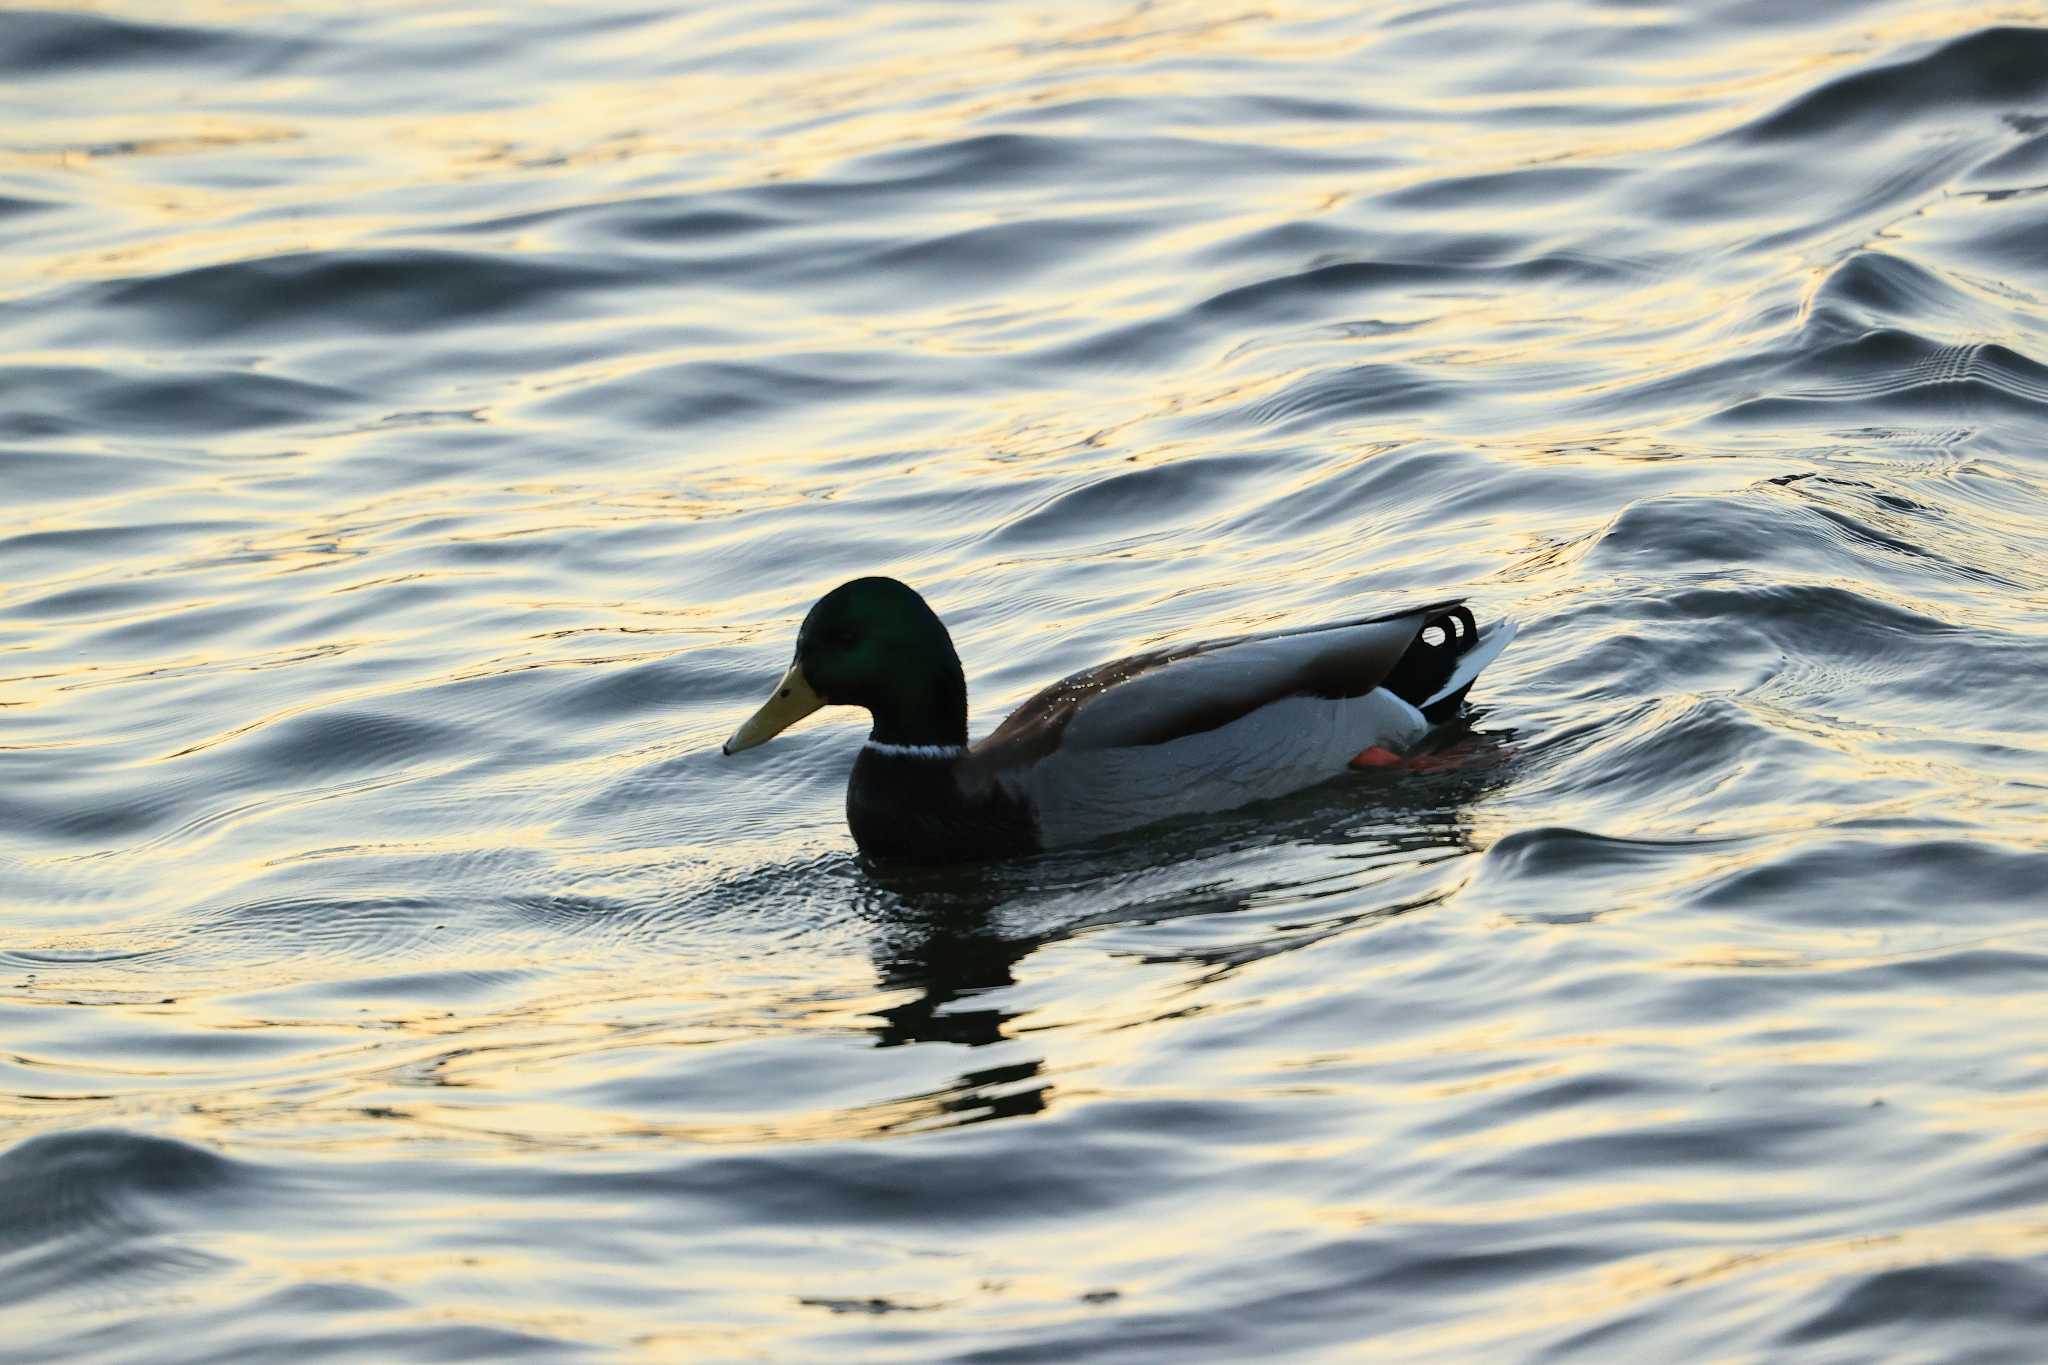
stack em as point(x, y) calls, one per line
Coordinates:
point(917, 750)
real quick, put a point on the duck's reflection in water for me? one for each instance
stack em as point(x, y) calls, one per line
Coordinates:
point(947, 956)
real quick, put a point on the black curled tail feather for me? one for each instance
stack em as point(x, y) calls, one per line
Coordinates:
point(1446, 635)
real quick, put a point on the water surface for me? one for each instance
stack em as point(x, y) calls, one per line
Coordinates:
point(423, 426)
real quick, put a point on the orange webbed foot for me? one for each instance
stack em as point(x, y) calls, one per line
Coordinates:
point(1463, 754)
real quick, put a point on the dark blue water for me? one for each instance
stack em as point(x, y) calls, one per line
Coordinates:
point(422, 427)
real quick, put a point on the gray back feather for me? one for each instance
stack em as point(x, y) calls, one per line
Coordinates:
point(1167, 694)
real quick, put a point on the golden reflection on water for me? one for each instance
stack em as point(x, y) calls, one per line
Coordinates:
point(916, 93)
point(625, 1037)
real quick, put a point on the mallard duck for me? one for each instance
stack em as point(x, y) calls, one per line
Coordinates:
point(1187, 729)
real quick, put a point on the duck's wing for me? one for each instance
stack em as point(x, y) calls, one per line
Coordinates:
point(1165, 694)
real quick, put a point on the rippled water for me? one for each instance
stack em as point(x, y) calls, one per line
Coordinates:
point(422, 427)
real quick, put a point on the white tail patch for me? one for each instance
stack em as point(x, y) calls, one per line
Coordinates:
point(1484, 651)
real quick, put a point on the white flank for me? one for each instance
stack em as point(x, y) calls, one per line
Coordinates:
point(1279, 748)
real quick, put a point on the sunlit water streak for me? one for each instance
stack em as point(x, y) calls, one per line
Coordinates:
point(423, 426)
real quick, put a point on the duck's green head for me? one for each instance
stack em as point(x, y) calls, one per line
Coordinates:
point(873, 643)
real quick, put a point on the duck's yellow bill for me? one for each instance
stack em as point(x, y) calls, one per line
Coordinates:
point(793, 700)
